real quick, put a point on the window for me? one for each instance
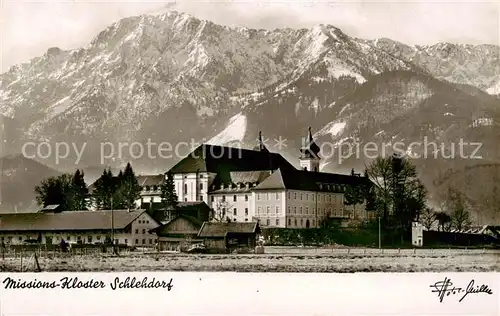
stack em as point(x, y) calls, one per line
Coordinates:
point(144, 241)
point(277, 222)
point(295, 210)
point(185, 188)
point(125, 241)
point(147, 222)
point(212, 198)
point(137, 241)
point(201, 176)
point(258, 196)
point(301, 222)
point(295, 222)
point(201, 186)
point(289, 222)
point(300, 196)
point(246, 211)
point(140, 222)
point(234, 198)
point(89, 239)
point(246, 198)
point(185, 199)
point(259, 210)
point(235, 212)
point(300, 211)
point(277, 196)
point(116, 241)
point(307, 209)
point(20, 238)
point(268, 210)
point(246, 219)
point(201, 198)
point(295, 196)
point(268, 221)
point(151, 241)
point(277, 209)
point(143, 231)
point(223, 198)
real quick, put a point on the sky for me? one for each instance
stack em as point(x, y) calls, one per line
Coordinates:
point(29, 28)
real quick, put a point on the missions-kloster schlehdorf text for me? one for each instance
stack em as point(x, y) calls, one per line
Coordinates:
point(75, 283)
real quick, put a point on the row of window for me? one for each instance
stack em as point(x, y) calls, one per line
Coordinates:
point(306, 211)
point(268, 210)
point(291, 223)
point(151, 241)
point(143, 222)
point(268, 196)
point(235, 198)
point(311, 197)
point(143, 231)
point(235, 211)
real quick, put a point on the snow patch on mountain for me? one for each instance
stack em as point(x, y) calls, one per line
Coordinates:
point(494, 89)
point(333, 129)
point(234, 131)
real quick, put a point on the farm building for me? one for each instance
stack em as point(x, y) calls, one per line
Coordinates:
point(179, 233)
point(199, 210)
point(229, 235)
point(131, 228)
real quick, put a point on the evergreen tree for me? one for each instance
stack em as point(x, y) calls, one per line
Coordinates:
point(79, 191)
point(129, 189)
point(353, 195)
point(55, 190)
point(104, 190)
point(168, 196)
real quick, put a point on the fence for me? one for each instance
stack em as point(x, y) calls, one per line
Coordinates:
point(283, 250)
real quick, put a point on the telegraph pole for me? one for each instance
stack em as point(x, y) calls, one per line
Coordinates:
point(379, 235)
point(112, 226)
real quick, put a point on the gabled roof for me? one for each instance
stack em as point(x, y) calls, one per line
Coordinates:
point(221, 159)
point(220, 229)
point(150, 180)
point(308, 180)
point(71, 220)
point(193, 220)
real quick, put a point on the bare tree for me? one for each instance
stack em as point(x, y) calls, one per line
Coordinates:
point(456, 205)
point(220, 211)
point(427, 218)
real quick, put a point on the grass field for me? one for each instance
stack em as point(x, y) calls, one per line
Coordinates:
point(276, 259)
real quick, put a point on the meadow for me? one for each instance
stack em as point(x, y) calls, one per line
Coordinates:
point(275, 259)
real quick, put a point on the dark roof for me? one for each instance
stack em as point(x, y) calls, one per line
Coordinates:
point(220, 229)
point(76, 220)
point(221, 159)
point(150, 180)
point(237, 178)
point(310, 150)
point(196, 222)
point(308, 180)
point(190, 205)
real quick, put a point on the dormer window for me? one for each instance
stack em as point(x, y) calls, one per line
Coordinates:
point(147, 188)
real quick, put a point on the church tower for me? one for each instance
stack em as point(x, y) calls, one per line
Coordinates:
point(260, 145)
point(309, 154)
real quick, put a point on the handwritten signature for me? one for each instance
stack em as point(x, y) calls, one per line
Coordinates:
point(446, 288)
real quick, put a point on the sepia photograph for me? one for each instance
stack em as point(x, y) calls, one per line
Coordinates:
point(249, 136)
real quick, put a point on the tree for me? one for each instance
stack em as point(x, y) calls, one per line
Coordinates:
point(443, 219)
point(55, 190)
point(104, 190)
point(220, 211)
point(79, 191)
point(353, 195)
point(128, 188)
point(427, 218)
point(168, 196)
point(399, 193)
point(460, 218)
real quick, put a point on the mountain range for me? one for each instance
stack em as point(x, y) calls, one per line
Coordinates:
point(174, 78)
